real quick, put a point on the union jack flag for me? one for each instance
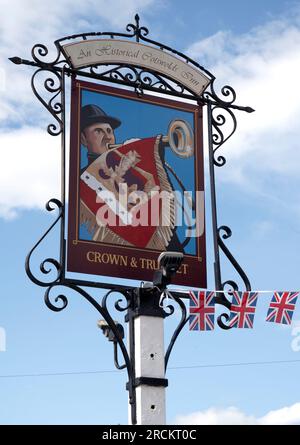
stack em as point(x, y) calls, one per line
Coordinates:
point(202, 310)
point(282, 307)
point(242, 309)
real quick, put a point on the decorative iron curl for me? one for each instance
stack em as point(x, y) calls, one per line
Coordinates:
point(221, 299)
point(59, 298)
point(50, 261)
point(54, 86)
point(221, 323)
point(184, 319)
point(220, 117)
point(231, 258)
point(116, 73)
point(155, 80)
point(227, 97)
point(137, 77)
point(169, 309)
point(138, 31)
point(232, 284)
point(147, 78)
point(117, 305)
point(40, 51)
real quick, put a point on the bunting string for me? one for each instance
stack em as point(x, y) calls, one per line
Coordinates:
point(242, 307)
point(187, 291)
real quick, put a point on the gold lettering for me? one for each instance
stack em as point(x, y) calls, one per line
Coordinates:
point(185, 266)
point(105, 258)
point(146, 263)
point(97, 257)
point(143, 262)
point(150, 264)
point(183, 269)
point(89, 258)
point(124, 260)
point(118, 259)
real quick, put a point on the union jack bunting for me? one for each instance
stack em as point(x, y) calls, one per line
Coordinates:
point(242, 309)
point(282, 307)
point(202, 310)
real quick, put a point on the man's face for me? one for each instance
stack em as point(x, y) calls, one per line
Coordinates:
point(96, 137)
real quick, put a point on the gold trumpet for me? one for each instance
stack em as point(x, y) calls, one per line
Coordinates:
point(180, 139)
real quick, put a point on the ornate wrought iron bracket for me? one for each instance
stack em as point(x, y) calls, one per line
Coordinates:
point(48, 85)
point(222, 125)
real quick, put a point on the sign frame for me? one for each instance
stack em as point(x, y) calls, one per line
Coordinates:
point(130, 262)
point(48, 83)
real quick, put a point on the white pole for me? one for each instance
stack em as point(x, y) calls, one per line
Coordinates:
point(149, 370)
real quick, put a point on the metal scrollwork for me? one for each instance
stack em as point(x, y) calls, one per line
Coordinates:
point(222, 124)
point(40, 51)
point(117, 304)
point(223, 121)
point(52, 85)
point(221, 320)
point(227, 234)
point(227, 97)
point(53, 263)
point(233, 286)
point(137, 78)
point(139, 32)
point(184, 319)
point(154, 80)
point(58, 300)
point(50, 77)
point(221, 133)
point(120, 307)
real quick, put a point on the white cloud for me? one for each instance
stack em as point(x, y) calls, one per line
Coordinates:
point(216, 416)
point(263, 66)
point(31, 158)
point(295, 343)
point(31, 170)
point(28, 19)
point(28, 22)
point(289, 415)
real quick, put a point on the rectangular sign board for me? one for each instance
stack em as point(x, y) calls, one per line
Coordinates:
point(136, 184)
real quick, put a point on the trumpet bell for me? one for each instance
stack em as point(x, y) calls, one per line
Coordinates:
point(181, 138)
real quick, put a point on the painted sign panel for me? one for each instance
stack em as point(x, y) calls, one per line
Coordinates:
point(136, 184)
point(108, 51)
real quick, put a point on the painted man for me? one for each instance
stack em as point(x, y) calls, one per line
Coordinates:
point(97, 131)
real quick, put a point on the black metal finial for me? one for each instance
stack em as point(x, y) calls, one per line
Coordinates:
point(137, 27)
point(16, 60)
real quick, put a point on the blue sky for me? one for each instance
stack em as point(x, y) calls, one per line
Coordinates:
point(253, 47)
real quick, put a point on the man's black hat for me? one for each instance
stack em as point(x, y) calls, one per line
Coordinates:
point(92, 114)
